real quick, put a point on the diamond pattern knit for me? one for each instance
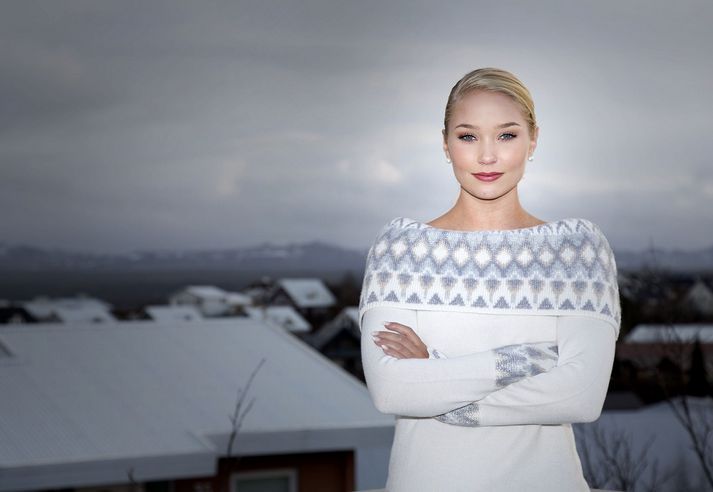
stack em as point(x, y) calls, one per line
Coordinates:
point(564, 267)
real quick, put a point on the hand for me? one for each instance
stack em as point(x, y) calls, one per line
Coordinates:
point(404, 344)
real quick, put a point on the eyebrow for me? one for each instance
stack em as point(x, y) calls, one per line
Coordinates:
point(504, 125)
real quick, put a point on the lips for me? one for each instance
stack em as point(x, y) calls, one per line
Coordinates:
point(487, 176)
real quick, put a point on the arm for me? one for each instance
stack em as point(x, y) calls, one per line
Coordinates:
point(574, 391)
point(429, 387)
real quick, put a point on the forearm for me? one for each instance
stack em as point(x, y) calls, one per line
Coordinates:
point(429, 387)
point(573, 391)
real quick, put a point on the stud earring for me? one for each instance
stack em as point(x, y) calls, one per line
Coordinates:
point(448, 160)
point(530, 158)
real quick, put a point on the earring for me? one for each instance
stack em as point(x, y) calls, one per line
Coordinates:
point(448, 160)
point(530, 158)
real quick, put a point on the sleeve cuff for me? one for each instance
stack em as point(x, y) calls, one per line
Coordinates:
point(434, 354)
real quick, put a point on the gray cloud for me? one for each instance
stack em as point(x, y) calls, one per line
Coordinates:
point(131, 125)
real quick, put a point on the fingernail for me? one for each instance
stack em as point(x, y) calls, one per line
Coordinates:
point(387, 323)
point(374, 332)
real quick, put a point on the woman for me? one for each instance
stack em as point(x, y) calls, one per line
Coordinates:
point(487, 331)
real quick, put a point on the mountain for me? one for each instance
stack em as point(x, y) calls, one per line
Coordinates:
point(675, 260)
point(311, 256)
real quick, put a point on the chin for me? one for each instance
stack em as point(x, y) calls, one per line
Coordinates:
point(485, 192)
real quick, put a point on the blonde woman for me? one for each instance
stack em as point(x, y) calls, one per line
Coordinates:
point(488, 331)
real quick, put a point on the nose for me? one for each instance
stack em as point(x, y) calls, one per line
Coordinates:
point(487, 156)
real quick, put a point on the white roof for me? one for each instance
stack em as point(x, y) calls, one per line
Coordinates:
point(206, 291)
point(156, 395)
point(285, 316)
point(83, 314)
point(238, 299)
point(307, 292)
point(44, 307)
point(675, 333)
point(701, 296)
point(330, 329)
point(174, 312)
point(353, 313)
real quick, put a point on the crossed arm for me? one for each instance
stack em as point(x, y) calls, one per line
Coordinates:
point(471, 390)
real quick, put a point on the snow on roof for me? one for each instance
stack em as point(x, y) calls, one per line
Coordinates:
point(44, 307)
point(700, 296)
point(238, 299)
point(285, 316)
point(174, 312)
point(155, 396)
point(353, 313)
point(330, 329)
point(83, 314)
point(676, 333)
point(206, 291)
point(307, 292)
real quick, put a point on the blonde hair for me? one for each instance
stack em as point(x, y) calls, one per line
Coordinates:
point(496, 80)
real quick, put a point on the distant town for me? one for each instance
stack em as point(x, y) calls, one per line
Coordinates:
point(109, 359)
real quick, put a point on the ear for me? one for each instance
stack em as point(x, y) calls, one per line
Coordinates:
point(533, 140)
point(445, 144)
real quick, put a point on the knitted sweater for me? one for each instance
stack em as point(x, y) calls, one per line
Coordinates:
point(492, 407)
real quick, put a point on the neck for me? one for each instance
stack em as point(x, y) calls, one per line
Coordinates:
point(504, 212)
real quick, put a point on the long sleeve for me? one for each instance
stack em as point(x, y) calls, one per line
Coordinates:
point(433, 386)
point(573, 391)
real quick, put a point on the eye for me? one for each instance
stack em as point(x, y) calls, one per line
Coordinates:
point(467, 137)
point(512, 135)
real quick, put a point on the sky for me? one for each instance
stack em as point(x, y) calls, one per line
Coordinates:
point(129, 125)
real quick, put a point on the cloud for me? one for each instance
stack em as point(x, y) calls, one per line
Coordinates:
point(129, 125)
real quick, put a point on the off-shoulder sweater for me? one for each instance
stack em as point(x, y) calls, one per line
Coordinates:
point(491, 408)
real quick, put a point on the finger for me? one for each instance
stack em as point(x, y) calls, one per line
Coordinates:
point(395, 351)
point(406, 335)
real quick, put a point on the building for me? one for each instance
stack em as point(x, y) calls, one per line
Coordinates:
point(309, 296)
point(99, 405)
point(174, 312)
point(69, 309)
point(340, 340)
point(284, 316)
point(699, 298)
point(211, 301)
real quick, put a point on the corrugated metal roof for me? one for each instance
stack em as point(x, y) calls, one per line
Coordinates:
point(128, 392)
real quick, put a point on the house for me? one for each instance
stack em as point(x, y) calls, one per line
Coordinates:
point(699, 298)
point(309, 296)
point(102, 405)
point(11, 313)
point(340, 340)
point(174, 312)
point(666, 347)
point(285, 316)
point(69, 309)
point(211, 301)
point(673, 333)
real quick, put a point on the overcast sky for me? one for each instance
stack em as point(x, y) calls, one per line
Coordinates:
point(131, 125)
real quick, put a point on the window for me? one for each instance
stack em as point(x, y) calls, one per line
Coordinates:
point(282, 480)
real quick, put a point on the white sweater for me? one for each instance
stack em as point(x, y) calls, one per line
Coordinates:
point(521, 326)
point(523, 439)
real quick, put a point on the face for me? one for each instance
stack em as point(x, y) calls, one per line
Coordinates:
point(477, 142)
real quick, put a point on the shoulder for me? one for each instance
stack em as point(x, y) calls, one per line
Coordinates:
point(586, 228)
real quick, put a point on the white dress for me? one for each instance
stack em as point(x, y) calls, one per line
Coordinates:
point(477, 415)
